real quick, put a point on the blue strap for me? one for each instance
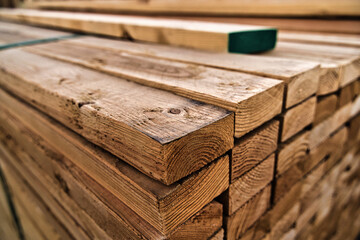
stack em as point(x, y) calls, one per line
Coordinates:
point(37, 41)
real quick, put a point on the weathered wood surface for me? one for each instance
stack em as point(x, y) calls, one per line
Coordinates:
point(12, 33)
point(300, 77)
point(254, 99)
point(246, 216)
point(297, 118)
point(248, 185)
point(252, 148)
point(325, 107)
point(339, 65)
point(228, 7)
point(192, 34)
point(153, 130)
point(156, 203)
point(349, 93)
point(219, 235)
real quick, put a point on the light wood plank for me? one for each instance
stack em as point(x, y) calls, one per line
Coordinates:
point(253, 99)
point(252, 148)
point(339, 65)
point(300, 77)
point(219, 235)
point(297, 118)
point(12, 33)
point(160, 205)
point(217, 37)
point(249, 184)
point(344, 40)
point(248, 214)
point(338, 25)
point(228, 7)
point(163, 135)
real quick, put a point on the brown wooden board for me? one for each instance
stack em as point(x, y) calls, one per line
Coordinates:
point(325, 107)
point(297, 118)
point(254, 99)
point(156, 203)
point(300, 77)
point(248, 185)
point(252, 148)
point(163, 135)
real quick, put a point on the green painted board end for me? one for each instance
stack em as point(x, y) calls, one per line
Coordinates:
point(253, 41)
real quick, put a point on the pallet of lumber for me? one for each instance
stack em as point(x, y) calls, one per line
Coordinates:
point(111, 139)
point(227, 7)
point(199, 35)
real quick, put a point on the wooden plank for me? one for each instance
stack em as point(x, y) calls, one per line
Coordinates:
point(253, 99)
point(217, 37)
point(156, 203)
point(252, 148)
point(68, 178)
point(12, 33)
point(203, 225)
point(151, 129)
point(325, 107)
point(8, 228)
point(320, 132)
point(344, 40)
point(329, 150)
point(248, 214)
point(229, 7)
point(44, 220)
point(348, 93)
point(342, 26)
point(247, 186)
point(292, 152)
point(219, 235)
point(300, 77)
point(297, 118)
point(339, 64)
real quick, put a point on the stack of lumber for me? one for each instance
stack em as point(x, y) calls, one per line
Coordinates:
point(112, 139)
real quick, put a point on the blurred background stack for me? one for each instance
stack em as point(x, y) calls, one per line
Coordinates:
point(125, 119)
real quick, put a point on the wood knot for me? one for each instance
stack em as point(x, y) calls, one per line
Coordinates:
point(174, 111)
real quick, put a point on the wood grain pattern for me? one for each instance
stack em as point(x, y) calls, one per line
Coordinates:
point(219, 235)
point(248, 214)
point(323, 130)
point(158, 204)
point(297, 118)
point(249, 184)
point(151, 129)
point(325, 107)
point(292, 152)
point(252, 148)
point(301, 77)
point(349, 93)
point(338, 63)
point(228, 7)
point(199, 35)
point(253, 99)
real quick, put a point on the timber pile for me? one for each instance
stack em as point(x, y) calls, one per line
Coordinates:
point(112, 139)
